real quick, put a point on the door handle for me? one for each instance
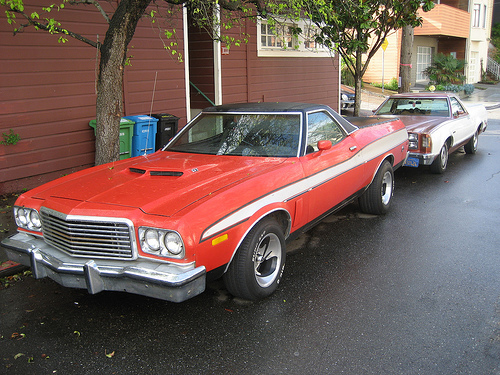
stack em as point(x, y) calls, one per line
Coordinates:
point(352, 148)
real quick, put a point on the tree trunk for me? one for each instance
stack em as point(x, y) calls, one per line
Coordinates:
point(406, 51)
point(109, 106)
point(357, 84)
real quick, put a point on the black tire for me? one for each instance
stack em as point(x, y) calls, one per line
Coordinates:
point(257, 266)
point(471, 146)
point(378, 197)
point(439, 165)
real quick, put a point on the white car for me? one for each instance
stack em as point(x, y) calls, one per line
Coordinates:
point(438, 124)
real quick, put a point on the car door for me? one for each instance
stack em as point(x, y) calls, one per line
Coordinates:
point(334, 174)
point(462, 127)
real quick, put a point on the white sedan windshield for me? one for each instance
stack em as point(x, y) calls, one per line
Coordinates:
point(415, 107)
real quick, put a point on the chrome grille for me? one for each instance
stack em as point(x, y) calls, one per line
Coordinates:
point(90, 237)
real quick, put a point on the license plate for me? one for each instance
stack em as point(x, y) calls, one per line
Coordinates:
point(411, 162)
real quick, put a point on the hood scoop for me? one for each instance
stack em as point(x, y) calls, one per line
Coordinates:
point(157, 173)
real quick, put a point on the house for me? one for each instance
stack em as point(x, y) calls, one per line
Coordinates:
point(457, 27)
point(48, 97)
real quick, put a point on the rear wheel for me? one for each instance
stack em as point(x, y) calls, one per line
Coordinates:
point(257, 266)
point(377, 198)
point(439, 165)
point(471, 146)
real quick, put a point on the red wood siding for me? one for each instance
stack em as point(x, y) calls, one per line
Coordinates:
point(47, 94)
point(247, 77)
point(201, 67)
point(448, 45)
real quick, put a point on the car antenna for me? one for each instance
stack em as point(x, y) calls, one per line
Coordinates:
point(150, 113)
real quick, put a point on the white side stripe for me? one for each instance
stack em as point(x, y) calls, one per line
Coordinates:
point(371, 151)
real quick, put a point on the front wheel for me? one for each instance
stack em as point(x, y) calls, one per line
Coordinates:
point(257, 267)
point(377, 198)
point(439, 165)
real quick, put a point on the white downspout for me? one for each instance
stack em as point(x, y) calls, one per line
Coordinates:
point(185, 27)
point(218, 61)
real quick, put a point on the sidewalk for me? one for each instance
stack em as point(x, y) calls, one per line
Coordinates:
point(489, 95)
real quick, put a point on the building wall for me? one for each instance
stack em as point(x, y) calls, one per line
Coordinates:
point(388, 61)
point(47, 95)
point(247, 77)
point(477, 49)
point(422, 41)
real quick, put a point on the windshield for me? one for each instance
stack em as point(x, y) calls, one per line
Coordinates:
point(250, 134)
point(415, 107)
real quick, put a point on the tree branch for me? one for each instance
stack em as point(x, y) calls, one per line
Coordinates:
point(51, 29)
point(92, 2)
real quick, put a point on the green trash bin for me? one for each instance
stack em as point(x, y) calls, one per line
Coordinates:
point(126, 133)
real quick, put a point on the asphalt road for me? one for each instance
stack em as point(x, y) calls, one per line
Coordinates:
point(414, 292)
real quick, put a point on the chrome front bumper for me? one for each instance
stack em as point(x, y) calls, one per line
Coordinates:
point(425, 159)
point(169, 282)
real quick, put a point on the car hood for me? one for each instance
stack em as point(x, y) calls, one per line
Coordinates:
point(162, 183)
point(420, 124)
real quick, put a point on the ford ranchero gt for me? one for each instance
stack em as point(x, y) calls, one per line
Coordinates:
point(220, 199)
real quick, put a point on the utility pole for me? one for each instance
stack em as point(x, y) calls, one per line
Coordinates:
point(405, 59)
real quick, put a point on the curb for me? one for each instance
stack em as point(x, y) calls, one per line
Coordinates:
point(10, 268)
point(491, 107)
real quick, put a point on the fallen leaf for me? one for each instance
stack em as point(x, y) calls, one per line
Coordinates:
point(110, 355)
point(18, 355)
point(76, 333)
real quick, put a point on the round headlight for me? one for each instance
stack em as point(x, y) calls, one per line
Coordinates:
point(173, 243)
point(22, 216)
point(35, 220)
point(152, 239)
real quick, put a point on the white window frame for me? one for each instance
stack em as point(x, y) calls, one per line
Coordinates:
point(424, 59)
point(476, 15)
point(485, 8)
point(286, 45)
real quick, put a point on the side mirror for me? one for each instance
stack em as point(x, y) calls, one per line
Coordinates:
point(324, 145)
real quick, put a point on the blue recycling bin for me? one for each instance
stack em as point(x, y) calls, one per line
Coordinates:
point(144, 137)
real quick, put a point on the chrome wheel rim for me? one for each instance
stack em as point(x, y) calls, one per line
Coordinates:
point(267, 260)
point(444, 157)
point(386, 188)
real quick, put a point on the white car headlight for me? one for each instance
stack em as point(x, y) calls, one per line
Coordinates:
point(161, 242)
point(413, 141)
point(173, 243)
point(152, 239)
point(27, 218)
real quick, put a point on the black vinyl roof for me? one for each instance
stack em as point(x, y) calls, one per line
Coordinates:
point(281, 107)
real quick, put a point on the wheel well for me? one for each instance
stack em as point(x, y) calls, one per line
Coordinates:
point(282, 217)
point(389, 158)
point(449, 141)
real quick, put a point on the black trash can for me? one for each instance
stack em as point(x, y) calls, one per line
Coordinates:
point(167, 127)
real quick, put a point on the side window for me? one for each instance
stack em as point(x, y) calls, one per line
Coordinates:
point(322, 127)
point(456, 107)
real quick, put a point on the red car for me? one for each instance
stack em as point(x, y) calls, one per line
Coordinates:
point(220, 199)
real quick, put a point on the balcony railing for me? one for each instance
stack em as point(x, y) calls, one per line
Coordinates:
point(493, 68)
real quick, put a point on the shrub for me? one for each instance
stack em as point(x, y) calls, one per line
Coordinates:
point(446, 69)
point(393, 85)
